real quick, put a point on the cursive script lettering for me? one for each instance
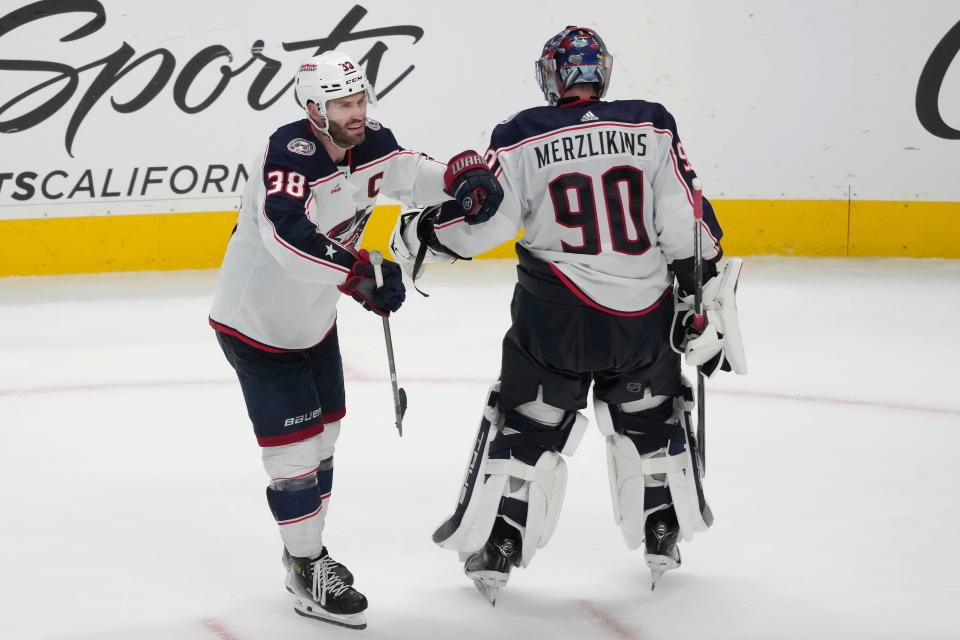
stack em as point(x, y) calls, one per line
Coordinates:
point(122, 61)
point(930, 83)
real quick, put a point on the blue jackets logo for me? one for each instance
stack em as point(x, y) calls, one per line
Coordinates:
point(302, 147)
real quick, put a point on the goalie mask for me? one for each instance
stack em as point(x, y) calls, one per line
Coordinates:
point(329, 76)
point(576, 55)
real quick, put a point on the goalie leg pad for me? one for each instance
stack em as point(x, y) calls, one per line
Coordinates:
point(468, 527)
point(515, 472)
point(651, 463)
point(541, 481)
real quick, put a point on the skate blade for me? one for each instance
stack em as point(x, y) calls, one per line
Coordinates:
point(489, 583)
point(352, 621)
point(309, 608)
point(659, 565)
point(490, 593)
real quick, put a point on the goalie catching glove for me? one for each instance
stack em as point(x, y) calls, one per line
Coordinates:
point(719, 344)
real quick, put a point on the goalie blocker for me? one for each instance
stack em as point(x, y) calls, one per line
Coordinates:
point(414, 241)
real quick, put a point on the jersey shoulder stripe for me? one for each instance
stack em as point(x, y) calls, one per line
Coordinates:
point(545, 120)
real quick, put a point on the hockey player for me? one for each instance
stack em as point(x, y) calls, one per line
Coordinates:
point(603, 191)
point(293, 252)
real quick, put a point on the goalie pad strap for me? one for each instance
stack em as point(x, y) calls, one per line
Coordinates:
point(508, 467)
point(659, 436)
point(655, 496)
point(514, 509)
point(517, 442)
point(533, 438)
point(651, 418)
point(649, 430)
point(666, 464)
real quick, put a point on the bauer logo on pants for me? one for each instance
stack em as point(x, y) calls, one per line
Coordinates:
point(289, 422)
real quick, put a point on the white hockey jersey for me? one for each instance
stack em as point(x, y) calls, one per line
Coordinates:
point(301, 218)
point(603, 192)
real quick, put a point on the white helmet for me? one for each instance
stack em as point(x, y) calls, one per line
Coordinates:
point(329, 76)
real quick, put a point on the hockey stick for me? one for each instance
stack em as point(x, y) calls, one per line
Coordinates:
point(399, 395)
point(699, 321)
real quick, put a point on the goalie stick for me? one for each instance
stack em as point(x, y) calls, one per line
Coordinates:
point(699, 320)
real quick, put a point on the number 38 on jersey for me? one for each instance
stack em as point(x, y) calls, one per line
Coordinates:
point(289, 182)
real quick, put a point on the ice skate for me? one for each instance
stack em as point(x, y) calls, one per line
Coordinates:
point(489, 568)
point(338, 568)
point(661, 552)
point(319, 591)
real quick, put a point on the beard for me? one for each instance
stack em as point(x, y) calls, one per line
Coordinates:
point(344, 138)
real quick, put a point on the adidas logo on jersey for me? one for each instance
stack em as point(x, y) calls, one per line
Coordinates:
point(588, 117)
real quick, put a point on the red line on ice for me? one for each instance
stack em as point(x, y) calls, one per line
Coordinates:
point(355, 376)
point(218, 628)
point(607, 621)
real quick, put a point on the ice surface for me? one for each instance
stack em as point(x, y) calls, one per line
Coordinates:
point(132, 491)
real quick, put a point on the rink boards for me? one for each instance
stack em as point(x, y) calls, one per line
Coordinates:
point(164, 242)
point(125, 131)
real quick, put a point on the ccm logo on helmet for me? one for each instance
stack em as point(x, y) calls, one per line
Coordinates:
point(289, 422)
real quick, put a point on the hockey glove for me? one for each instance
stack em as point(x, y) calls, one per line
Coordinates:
point(414, 241)
point(361, 285)
point(474, 187)
point(717, 346)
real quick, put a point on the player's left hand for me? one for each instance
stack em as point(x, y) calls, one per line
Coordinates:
point(474, 187)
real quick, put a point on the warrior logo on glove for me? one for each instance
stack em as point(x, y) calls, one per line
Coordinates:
point(473, 186)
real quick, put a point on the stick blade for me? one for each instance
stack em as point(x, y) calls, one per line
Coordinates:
point(401, 409)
